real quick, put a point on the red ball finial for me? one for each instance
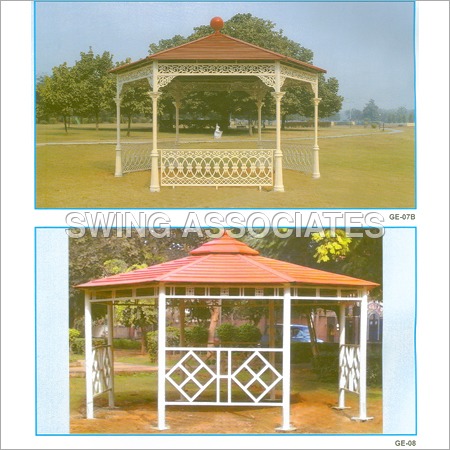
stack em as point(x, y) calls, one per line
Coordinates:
point(216, 24)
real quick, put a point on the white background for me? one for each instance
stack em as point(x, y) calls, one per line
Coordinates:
point(19, 219)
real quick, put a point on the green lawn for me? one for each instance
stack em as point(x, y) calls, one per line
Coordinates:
point(135, 390)
point(374, 171)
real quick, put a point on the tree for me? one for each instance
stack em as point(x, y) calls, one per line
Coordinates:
point(94, 80)
point(88, 254)
point(371, 112)
point(263, 33)
point(58, 94)
point(135, 100)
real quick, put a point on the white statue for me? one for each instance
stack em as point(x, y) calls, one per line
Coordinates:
point(217, 133)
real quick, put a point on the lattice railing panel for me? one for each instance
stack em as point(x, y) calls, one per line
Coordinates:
point(216, 167)
point(349, 368)
point(214, 376)
point(297, 157)
point(102, 370)
point(136, 157)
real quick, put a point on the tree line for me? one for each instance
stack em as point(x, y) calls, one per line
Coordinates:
point(372, 113)
point(87, 89)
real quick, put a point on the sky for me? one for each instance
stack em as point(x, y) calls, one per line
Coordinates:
point(367, 46)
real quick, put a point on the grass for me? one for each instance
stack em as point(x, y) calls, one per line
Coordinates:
point(374, 171)
point(135, 390)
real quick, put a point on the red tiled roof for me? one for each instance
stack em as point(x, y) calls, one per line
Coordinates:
point(217, 47)
point(228, 261)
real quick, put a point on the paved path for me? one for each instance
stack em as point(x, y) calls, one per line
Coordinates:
point(387, 131)
point(119, 367)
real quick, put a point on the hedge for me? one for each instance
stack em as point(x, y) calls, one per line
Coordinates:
point(78, 344)
point(172, 339)
point(326, 366)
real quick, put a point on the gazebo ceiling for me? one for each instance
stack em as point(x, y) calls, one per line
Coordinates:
point(218, 47)
point(228, 261)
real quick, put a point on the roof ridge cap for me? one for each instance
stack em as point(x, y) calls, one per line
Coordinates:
point(268, 269)
point(182, 267)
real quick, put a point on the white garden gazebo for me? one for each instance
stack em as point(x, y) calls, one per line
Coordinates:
point(225, 271)
point(218, 63)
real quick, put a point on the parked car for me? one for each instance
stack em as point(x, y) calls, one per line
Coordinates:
point(299, 333)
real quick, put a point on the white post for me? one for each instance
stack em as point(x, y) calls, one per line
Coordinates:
point(272, 341)
point(88, 355)
point(316, 170)
point(162, 358)
point(341, 402)
point(154, 181)
point(118, 172)
point(110, 319)
point(363, 361)
point(278, 155)
point(286, 425)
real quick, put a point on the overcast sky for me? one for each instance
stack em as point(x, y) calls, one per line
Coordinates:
point(367, 46)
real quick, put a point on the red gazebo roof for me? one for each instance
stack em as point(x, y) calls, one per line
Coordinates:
point(228, 261)
point(218, 47)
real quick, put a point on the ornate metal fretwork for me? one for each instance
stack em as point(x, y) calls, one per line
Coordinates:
point(264, 71)
point(216, 167)
point(297, 157)
point(137, 74)
point(224, 376)
point(296, 74)
point(349, 368)
point(102, 370)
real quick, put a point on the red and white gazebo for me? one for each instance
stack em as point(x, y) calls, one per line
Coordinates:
point(218, 63)
point(225, 271)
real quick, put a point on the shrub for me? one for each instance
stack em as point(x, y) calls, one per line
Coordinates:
point(196, 335)
point(78, 344)
point(73, 334)
point(172, 340)
point(300, 352)
point(227, 332)
point(248, 334)
point(326, 366)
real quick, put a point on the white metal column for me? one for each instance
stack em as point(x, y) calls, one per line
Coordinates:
point(88, 355)
point(162, 358)
point(363, 360)
point(118, 171)
point(286, 425)
point(110, 319)
point(341, 402)
point(316, 169)
point(154, 181)
point(278, 155)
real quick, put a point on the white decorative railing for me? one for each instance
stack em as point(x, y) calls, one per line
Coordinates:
point(102, 370)
point(225, 376)
point(216, 167)
point(297, 157)
point(136, 156)
point(349, 368)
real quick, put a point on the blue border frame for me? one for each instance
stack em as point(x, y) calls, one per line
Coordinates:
point(232, 1)
point(214, 434)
